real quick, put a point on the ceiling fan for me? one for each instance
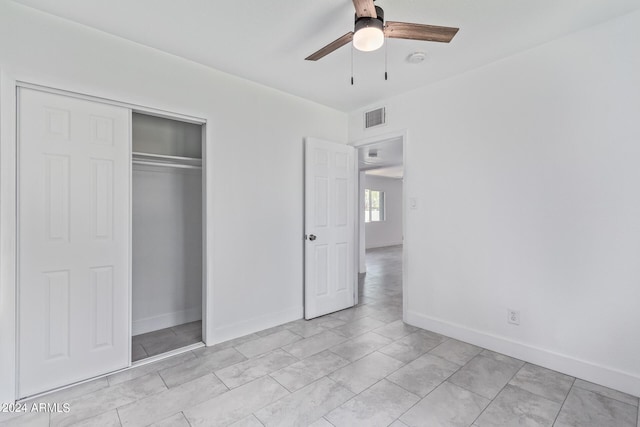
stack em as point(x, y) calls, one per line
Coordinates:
point(370, 30)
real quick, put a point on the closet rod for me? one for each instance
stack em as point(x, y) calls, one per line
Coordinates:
point(169, 165)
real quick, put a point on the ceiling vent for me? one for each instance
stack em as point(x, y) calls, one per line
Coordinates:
point(375, 118)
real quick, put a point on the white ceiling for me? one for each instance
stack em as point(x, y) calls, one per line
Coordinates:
point(267, 41)
point(384, 158)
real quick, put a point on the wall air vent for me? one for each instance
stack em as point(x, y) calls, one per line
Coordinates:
point(375, 118)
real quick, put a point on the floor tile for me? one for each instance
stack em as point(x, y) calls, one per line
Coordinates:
point(266, 344)
point(306, 371)
point(198, 367)
point(163, 345)
point(192, 329)
point(109, 398)
point(379, 405)
point(351, 314)
point(517, 407)
point(502, 358)
point(365, 372)
point(270, 331)
point(395, 330)
point(413, 345)
point(306, 329)
point(199, 352)
point(249, 370)
point(543, 382)
point(152, 337)
point(424, 374)
point(236, 404)
point(188, 327)
point(485, 376)
point(456, 351)
point(143, 370)
point(138, 352)
point(608, 392)
point(315, 344)
point(586, 408)
point(250, 421)
point(164, 404)
point(447, 406)
point(358, 327)
point(360, 346)
point(328, 322)
point(30, 419)
point(387, 316)
point(107, 419)
point(79, 390)
point(398, 423)
point(306, 405)
point(321, 423)
point(177, 420)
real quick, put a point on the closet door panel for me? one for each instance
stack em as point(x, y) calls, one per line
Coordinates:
point(73, 236)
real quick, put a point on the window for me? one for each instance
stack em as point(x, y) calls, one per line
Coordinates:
point(373, 206)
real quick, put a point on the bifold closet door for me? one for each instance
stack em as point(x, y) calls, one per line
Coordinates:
point(73, 236)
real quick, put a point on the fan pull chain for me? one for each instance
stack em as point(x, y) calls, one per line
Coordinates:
point(351, 64)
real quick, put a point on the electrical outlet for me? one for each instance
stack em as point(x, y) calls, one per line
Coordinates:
point(513, 317)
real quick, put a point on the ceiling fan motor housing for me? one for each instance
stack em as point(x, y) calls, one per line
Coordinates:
point(365, 21)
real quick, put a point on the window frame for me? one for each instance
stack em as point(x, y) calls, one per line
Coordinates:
point(368, 206)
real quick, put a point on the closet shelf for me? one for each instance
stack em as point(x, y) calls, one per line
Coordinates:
point(165, 160)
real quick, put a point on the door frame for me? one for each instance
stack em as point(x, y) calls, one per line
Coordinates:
point(360, 143)
point(9, 280)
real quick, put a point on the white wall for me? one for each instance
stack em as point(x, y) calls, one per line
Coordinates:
point(389, 231)
point(255, 175)
point(167, 247)
point(527, 179)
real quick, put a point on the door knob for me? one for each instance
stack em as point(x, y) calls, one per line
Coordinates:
point(312, 237)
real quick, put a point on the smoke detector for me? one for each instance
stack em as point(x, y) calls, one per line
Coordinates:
point(416, 57)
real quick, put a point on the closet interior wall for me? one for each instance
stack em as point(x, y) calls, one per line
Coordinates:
point(167, 224)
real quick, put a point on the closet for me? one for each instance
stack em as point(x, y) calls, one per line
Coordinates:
point(166, 235)
point(110, 237)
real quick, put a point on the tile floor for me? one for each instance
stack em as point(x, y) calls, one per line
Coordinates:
point(164, 340)
point(358, 367)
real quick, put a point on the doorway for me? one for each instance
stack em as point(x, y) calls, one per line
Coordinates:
point(167, 238)
point(381, 223)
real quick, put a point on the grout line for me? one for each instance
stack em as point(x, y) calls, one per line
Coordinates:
point(563, 402)
point(186, 419)
point(118, 414)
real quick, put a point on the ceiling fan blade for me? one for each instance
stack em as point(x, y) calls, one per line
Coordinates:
point(430, 33)
point(365, 8)
point(334, 45)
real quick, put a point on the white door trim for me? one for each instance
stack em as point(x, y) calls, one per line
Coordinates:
point(403, 134)
point(8, 218)
point(8, 227)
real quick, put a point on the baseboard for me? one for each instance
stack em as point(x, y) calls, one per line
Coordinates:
point(167, 320)
point(256, 324)
point(589, 371)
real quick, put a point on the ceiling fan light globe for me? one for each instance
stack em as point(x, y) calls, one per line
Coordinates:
point(368, 39)
point(368, 35)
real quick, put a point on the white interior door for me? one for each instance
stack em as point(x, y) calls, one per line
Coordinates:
point(73, 188)
point(330, 277)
